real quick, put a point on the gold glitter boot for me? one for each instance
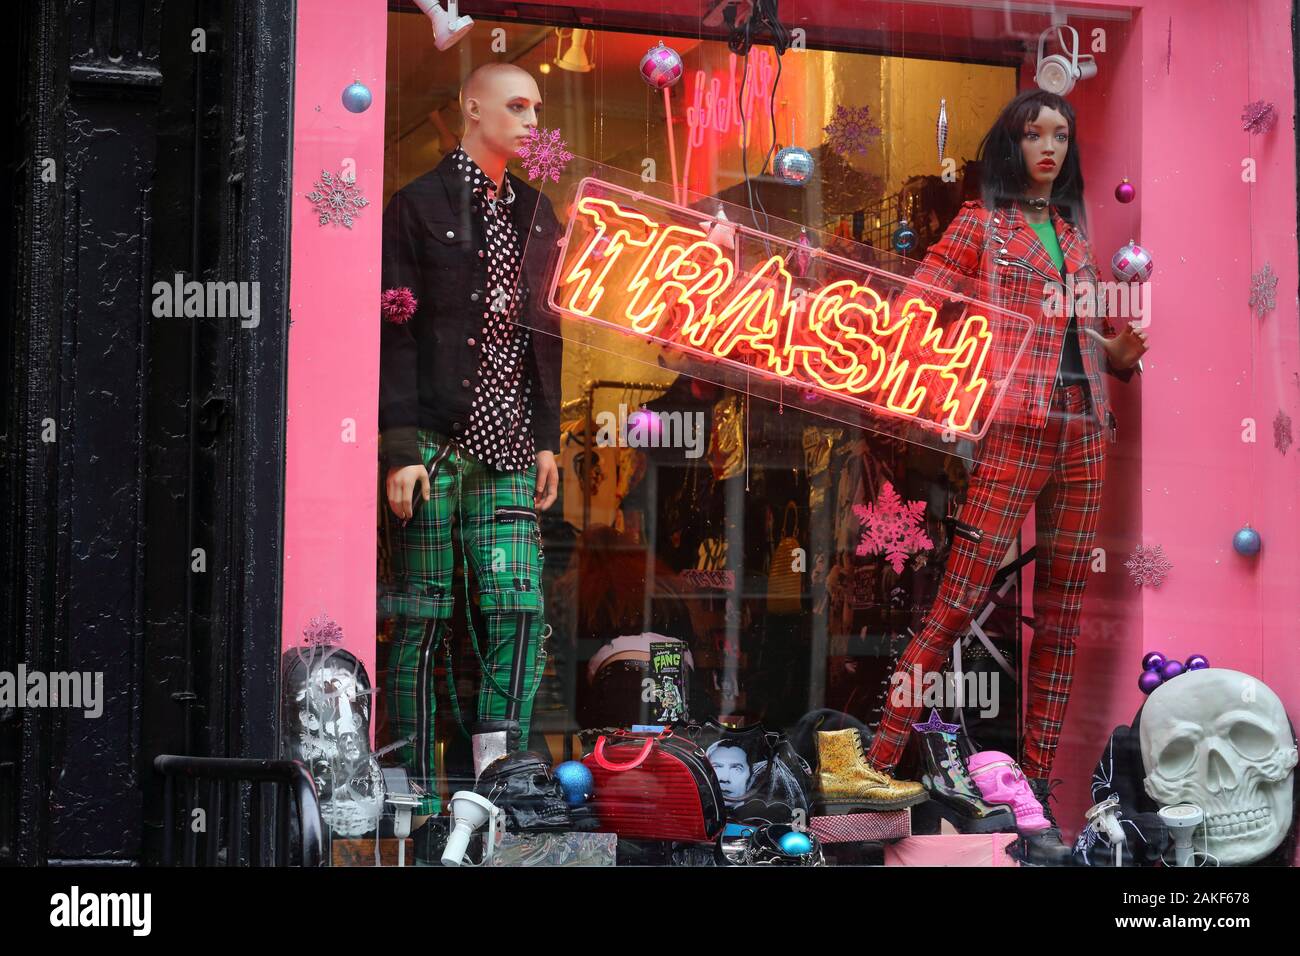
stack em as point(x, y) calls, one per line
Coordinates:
point(847, 781)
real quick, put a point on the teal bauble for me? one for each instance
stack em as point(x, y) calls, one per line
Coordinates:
point(796, 844)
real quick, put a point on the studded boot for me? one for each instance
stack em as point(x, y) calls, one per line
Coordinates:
point(846, 781)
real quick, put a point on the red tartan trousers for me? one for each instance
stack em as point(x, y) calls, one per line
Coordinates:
point(1060, 468)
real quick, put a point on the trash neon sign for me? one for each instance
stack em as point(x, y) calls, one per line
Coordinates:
point(645, 266)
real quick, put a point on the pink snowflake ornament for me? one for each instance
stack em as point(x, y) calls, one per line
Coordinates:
point(851, 130)
point(893, 527)
point(545, 155)
point(1148, 566)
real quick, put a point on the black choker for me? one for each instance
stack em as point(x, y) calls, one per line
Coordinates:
point(1035, 203)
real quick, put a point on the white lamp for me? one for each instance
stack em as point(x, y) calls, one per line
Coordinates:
point(448, 25)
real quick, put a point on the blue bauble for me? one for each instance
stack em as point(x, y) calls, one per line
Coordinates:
point(576, 782)
point(904, 238)
point(357, 98)
point(796, 844)
point(795, 165)
point(1246, 542)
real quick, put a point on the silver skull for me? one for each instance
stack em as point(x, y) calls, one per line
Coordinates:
point(1219, 739)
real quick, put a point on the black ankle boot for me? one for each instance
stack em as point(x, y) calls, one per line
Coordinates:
point(1044, 847)
point(953, 794)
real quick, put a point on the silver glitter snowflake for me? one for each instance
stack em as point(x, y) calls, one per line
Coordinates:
point(1148, 566)
point(1282, 431)
point(851, 130)
point(1263, 291)
point(336, 199)
point(545, 155)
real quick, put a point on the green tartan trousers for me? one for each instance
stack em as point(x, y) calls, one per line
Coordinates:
point(502, 544)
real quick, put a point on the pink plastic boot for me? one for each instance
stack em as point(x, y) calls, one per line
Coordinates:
point(1000, 781)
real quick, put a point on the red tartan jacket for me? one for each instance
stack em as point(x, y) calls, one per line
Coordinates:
point(996, 257)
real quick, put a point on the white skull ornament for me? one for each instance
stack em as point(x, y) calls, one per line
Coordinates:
point(1219, 739)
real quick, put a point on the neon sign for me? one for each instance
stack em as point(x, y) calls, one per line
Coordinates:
point(648, 267)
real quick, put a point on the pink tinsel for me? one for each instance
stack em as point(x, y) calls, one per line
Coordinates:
point(398, 305)
point(323, 631)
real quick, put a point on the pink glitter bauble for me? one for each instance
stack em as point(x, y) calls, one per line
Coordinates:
point(662, 66)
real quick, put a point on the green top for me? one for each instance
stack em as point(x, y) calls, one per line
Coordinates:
point(1047, 236)
point(1071, 364)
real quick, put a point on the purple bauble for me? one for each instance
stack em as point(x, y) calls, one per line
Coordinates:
point(1153, 661)
point(1125, 192)
point(1197, 662)
point(1171, 669)
point(1149, 681)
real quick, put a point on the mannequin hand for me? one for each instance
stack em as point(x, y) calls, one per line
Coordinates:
point(548, 480)
point(1125, 349)
point(399, 486)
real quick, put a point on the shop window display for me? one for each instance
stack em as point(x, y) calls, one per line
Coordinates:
point(760, 436)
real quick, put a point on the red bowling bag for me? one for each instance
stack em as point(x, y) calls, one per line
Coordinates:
point(655, 787)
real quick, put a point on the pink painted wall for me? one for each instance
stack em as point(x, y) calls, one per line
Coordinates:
point(1165, 112)
point(330, 474)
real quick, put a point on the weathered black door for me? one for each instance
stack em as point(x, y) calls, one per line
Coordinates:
point(142, 453)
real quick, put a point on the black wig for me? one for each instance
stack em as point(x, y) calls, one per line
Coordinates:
point(1003, 175)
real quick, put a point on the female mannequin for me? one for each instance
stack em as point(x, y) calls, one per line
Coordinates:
point(1047, 447)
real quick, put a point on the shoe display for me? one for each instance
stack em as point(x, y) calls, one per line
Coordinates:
point(846, 781)
point(1043, 847)
point(953, 794)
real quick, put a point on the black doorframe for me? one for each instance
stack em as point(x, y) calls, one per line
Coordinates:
point(169, 432)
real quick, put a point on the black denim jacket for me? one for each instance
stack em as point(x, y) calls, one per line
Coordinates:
point(428, 366)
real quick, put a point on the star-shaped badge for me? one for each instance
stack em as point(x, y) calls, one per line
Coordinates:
point(935, 725)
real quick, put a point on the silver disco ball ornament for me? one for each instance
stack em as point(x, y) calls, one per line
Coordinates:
point(1132, 263)
point(794, 166)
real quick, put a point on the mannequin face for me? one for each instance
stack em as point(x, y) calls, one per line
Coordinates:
point(500, 109)
point(1044, 144)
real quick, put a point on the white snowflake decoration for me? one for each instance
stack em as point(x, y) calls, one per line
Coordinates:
point(1148, 566)
point(851, 130)
point(893, 526)
point(1263, 291)
point(544, 154)
point(336, 198)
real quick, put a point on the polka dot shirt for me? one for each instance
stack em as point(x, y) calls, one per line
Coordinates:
point(499, 431)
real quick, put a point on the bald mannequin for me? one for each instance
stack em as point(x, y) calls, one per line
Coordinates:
point(499, 102)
